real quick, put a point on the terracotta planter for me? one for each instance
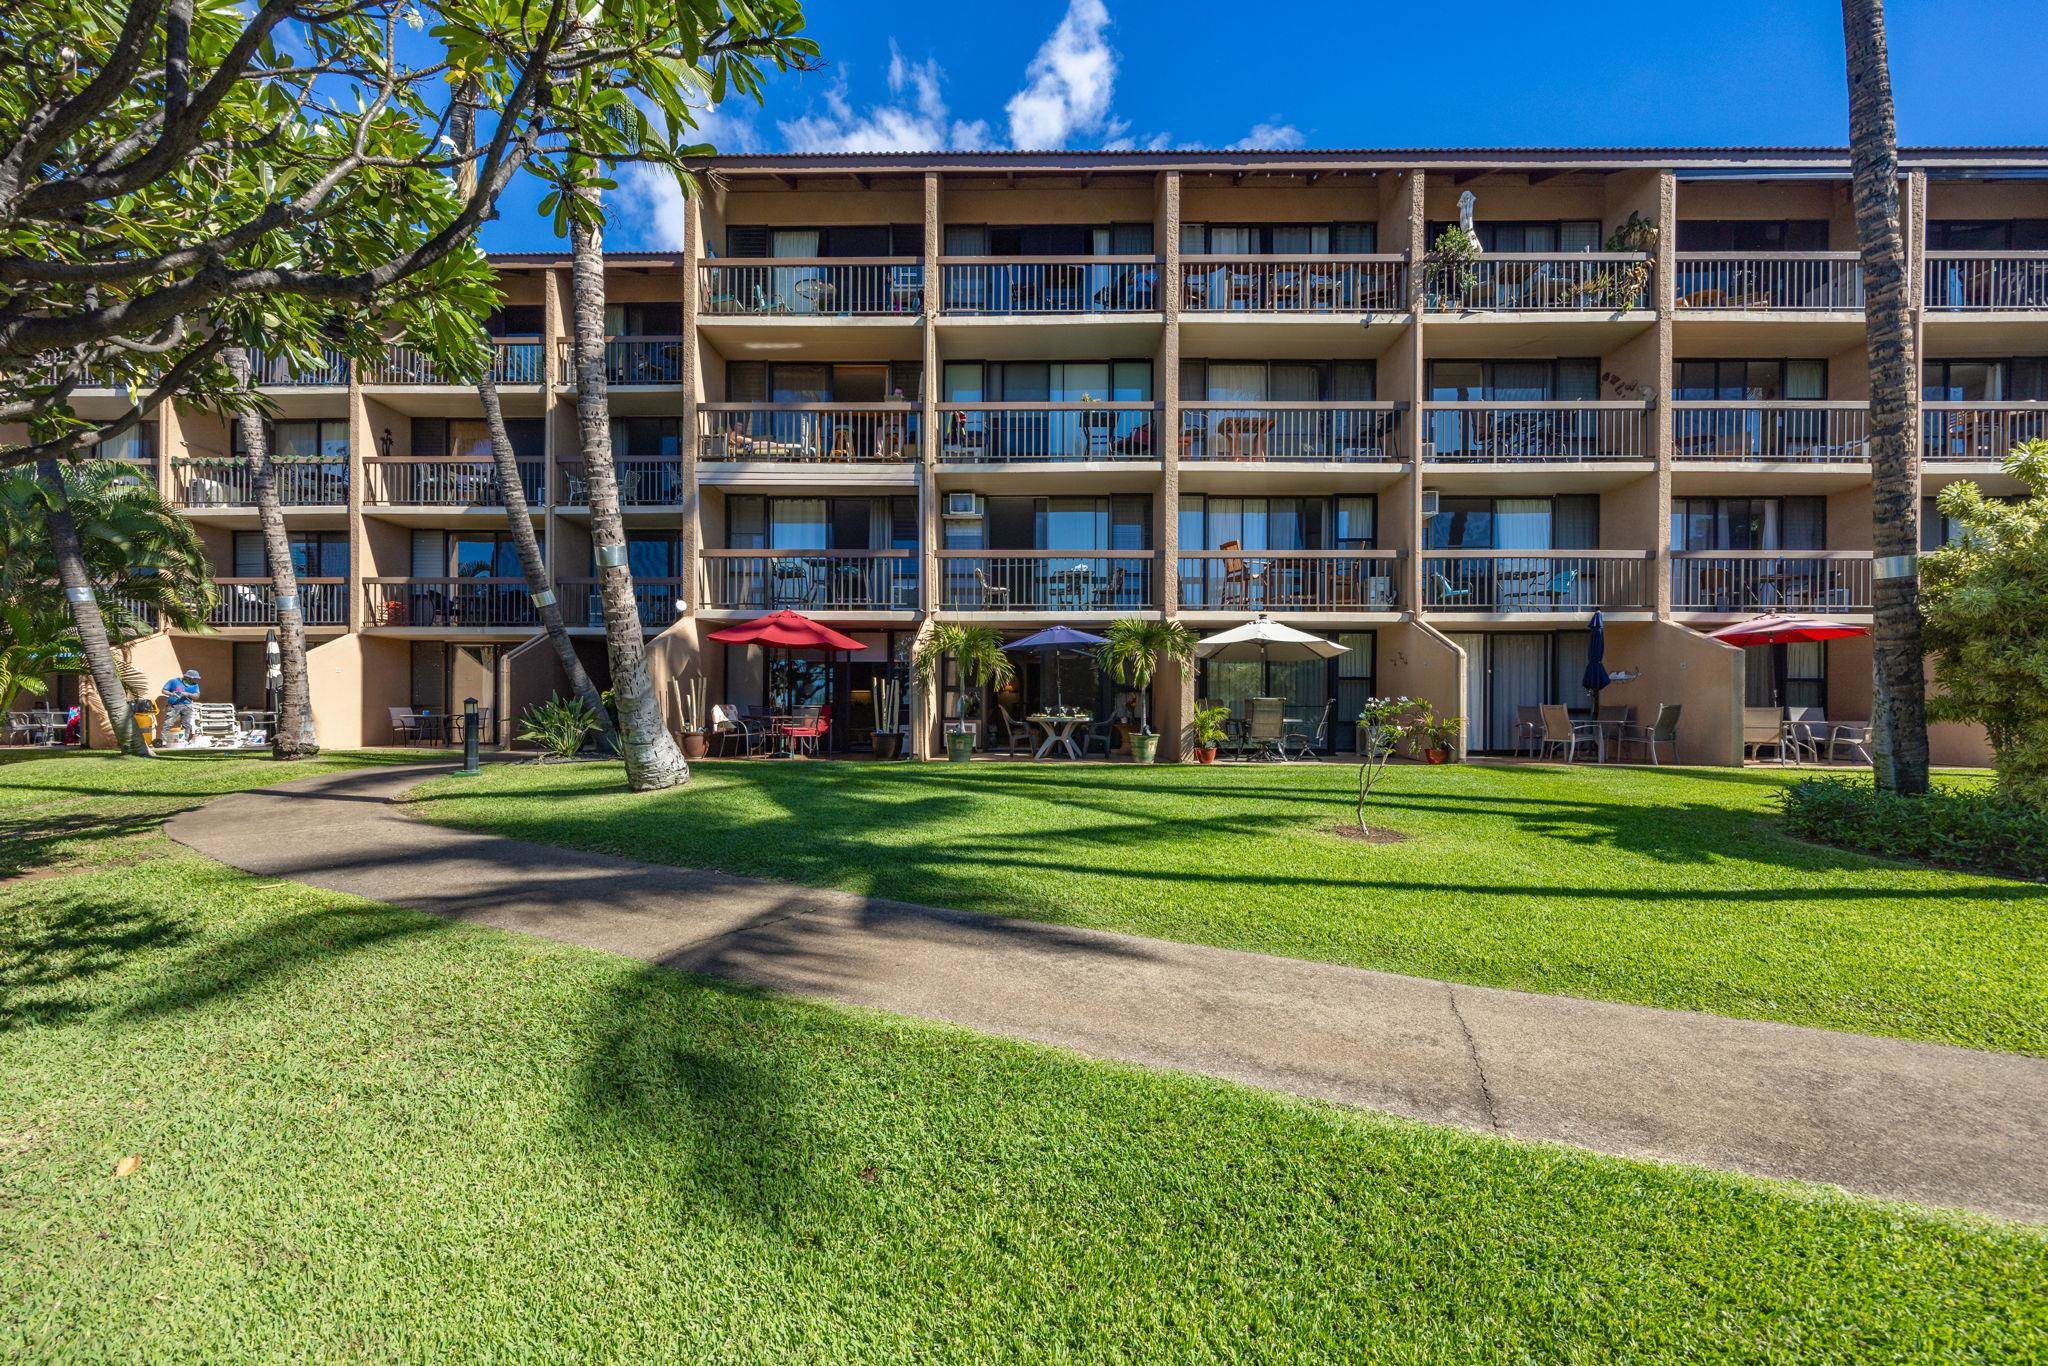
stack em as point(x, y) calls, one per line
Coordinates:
point(1437, 756)
point(1205, 756)
point(1144, 748)
point(696, 744)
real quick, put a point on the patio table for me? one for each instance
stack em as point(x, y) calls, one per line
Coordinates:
point(1059, 731)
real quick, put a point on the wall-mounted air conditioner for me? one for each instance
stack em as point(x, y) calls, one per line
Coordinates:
point(1429, 502)
point(964, 507)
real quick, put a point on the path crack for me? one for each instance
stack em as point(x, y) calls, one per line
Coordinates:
point(1472, 1053)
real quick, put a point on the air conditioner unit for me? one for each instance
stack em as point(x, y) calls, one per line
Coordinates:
point(964, 507)
point(1429, 502)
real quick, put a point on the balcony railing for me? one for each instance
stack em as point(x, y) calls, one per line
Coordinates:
point(1740, 582)
point(1045, 580)
point(1760, 281)
point(1521, 433)
point(644, 481)
point(329, 372)
point(1572, 282)
point(253, 602)
point(1290, 580)
point(659, 601)
point(512, 362)
point(1978, 431)
point(450, 602)
point(1987, 281)
point(1289, 431)
point(1535, 581)
point(445, 481)
point(1051, 284)
point(1293, 284)
point(846, 287)
point(232, 484)
point(811, 580)
point(629, 360)
point(781, 432)
point(1789, 430)
point(1005, 433)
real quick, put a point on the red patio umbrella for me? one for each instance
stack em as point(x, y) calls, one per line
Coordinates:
point(788, 630)
point(1775, 628)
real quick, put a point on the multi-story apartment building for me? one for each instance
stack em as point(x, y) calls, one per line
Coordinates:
point(891, 389)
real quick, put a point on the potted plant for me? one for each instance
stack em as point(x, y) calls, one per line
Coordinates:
point(1439, 735)
point(1131, 650)
point(1453, 280)
point(888, 719)
point(1209, 732)
point(694, 719)
point(977, 653)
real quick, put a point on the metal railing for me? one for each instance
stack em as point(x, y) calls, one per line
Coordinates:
point(449, 602)
point(1003, 433)
point(1045, 580)
point(845, 287)
point(778, 432)
point(253, 602)
point(659, 601)
point(1289, 431)
point(1758, 281)
point(1582, 281)
point(1978, 431)
point(445, 481)
point(810, 580)
point(1050, 284)
point(1294, 284)
point(232, 484)
point(1789, 430)
point(629, 360)
point(1746, 581)
point(1987, 281)
point(644, 481)
point(329, 372)
point(1517, 433)
point(1535, 581)
point(512, 362)
point(1290, 580)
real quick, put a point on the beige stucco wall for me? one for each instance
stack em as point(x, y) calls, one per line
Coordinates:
point(1678, 664)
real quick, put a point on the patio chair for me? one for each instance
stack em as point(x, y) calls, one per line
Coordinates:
point(789, 583)
point(1852, 735)
point(1561, 732)
point(215, 723)
point(1806, 729)
point(1663, 731)
point(405, 723)
point(730, 730)
point(1239, 577)
point(1763, 728)
point(994, 597)
point(1306, 743)
point(1528, 729)
point(1016, 735)
point(1444, 592)
point(1265, 726)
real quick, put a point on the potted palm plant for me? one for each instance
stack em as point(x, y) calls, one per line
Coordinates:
point(977, 652)
point(1131, 650)
point(888, 722)
point(1209, 732)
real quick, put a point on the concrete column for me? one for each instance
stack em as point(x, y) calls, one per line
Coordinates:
point(1662, 416)
point(693, 395)
point(555, 317)
point(361, 443)
point(1166, 380)
point(1403, 502)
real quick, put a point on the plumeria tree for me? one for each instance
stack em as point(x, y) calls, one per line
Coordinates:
point(1383, 725)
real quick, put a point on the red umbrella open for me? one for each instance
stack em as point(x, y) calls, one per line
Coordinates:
point(1775, 628)
point(789, 631)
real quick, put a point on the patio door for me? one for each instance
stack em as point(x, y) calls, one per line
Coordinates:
point(1504, 671)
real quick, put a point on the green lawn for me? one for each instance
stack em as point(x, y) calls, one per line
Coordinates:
point(364, 1132)
point(1669, 888)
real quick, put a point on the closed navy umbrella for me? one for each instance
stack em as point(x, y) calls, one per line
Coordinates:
point(1596, 676)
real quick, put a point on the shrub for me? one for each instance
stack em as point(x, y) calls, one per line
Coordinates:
point(1975, 830)
point(559, 725)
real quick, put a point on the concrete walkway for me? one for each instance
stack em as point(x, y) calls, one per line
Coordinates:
point(1945, 1126)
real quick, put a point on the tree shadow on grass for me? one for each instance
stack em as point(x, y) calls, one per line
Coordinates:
point(56, 942)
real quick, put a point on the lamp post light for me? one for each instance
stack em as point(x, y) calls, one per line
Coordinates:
point(470, 727)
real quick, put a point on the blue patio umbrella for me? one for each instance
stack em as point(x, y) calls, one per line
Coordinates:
point(1596, 676)
point(1055, 639)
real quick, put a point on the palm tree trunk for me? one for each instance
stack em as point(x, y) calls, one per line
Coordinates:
point(538, 582)
point(293, 737)
point(76, 581)
point(1899, 708)
point(653, 759)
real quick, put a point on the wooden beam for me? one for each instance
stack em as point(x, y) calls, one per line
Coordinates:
point(1238, 179)
point(1538, 177)
point(1467, 177)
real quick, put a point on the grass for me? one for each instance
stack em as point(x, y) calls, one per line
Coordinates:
point(1663, 887)
point(364, 1132)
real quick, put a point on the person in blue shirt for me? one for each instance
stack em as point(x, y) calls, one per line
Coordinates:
point(178, 696)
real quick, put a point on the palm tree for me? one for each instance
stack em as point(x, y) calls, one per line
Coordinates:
point(1133, 648)
point(1899, 707)
point(294, 737)
point(36, 640)
point(977, 652)
point(653, 759)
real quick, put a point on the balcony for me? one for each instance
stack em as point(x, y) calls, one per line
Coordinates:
point(1527, 433)
point(847, 287)
point(810, 580)
point(659, 601)
point(644, 481)
point(1536, 581)
point(1744, 582)
point(1290, 580)
point(445, 481)
point(1982, 432)
point(512, 363)
point(330, 371)
point(1045, 580)
point(1987, 281)
point(1769, 281)
point(451, 602)
point(852, 433)
point(1531, 282)
point(253, 602)
point(629, 360)
point(1013, 433)
point(1294, 284)
point(1050, 285)
point(1791, 431)
point(1329, 432)
point(300, 482)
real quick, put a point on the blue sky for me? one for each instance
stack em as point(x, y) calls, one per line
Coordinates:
point(1149, 73)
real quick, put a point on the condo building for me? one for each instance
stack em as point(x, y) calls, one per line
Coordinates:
point(887, 390)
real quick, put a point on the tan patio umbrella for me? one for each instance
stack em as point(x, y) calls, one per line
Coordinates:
point(1263, 639)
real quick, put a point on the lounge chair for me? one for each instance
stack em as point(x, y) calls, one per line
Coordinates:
point(1662, 732)
point(1561, 732)
point(216, 724)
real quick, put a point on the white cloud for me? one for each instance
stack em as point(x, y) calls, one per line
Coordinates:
point(648, 207)
point(1070, 82)
point(1270, 137)
point(915, 120)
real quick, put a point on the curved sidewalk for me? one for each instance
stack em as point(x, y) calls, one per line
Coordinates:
point(1923, 1122)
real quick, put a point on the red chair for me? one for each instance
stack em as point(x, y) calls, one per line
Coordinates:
point(803, 736)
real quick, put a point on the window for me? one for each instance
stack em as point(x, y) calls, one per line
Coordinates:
point(2013, 378)
point(1988, 234)
point(1048, 239)
point(328, 440)
point(1279, 239)
point(1750, 380)
point(137, 444)
point(650, 555)
point(1336, 381)
point(1566, 522)
point(1794, 675)
point(1795, 523)
point(647, 436)
point(1568, 379)
point(1283, 523)
point(757, 522)
point(315, 554)
point(1047, 381)
point(1752, 234)
point(643, 319)
point(470, 439)
point(1556, 235)
point(517, 320)
point(853, 239)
